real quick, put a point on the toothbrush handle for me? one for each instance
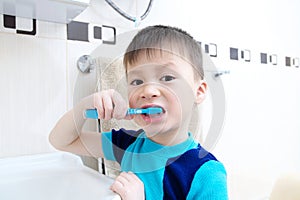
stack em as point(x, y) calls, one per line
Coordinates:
point(92, 113)
point(135, 111)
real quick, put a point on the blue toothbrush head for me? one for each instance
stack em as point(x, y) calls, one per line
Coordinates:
point(154, 110)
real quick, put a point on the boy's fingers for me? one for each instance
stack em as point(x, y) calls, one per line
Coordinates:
point(98, 105)
point(130, 177)
point(128, 186)
point(120, 108)
point(110, 104)
point(119, 188)
point(116, 186)
point(133, 176)
point(123, 179)
point(108, 107)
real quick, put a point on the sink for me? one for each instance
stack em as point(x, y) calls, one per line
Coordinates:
point(52, 176)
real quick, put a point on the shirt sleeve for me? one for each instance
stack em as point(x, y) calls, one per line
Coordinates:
point(209, 183)
point(107, 146)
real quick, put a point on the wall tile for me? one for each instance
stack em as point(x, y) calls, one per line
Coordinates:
point(33, 92)
point(3, 28)
point(51, 30)
point(81, 83)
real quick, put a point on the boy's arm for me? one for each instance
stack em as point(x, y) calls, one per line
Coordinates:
point(210, 182)
point(67, 135)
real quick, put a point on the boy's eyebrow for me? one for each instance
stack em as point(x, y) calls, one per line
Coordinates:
point(167, 64)
point(134, 72)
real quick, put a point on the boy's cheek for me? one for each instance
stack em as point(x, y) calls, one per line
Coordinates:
point(184, 102)
point(133, 96)
point(132, 102)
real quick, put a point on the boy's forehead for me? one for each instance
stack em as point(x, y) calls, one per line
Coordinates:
point(160, 65)
point(150, 67)
point(155, 57)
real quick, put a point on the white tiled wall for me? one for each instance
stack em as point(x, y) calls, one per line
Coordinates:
point(37, 77)
point(33, 91)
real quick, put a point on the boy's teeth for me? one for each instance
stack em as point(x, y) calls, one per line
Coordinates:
point(152, 115)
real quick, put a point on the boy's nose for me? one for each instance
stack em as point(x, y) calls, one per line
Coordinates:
point(150, 91)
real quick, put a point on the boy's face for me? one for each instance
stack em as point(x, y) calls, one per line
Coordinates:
point(165, 81)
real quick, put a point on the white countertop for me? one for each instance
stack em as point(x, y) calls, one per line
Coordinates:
point(52, 176)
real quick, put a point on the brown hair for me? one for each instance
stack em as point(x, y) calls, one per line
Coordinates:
point(165, 38)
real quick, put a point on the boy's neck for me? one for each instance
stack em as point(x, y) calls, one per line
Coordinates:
point(170, 138)
point(173, 136)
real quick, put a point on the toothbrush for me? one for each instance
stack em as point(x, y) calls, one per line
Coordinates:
point(92, 113)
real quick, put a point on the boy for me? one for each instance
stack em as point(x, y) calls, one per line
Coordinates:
point(162, 160)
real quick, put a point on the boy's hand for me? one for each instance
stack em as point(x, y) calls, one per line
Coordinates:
point(129, 187)
point(110, 104)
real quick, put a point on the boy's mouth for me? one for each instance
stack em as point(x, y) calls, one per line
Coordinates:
point(151, 117)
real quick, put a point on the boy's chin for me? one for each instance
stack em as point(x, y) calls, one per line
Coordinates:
point(153, 130)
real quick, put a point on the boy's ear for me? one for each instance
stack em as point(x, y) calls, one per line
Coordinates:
point(201, 92)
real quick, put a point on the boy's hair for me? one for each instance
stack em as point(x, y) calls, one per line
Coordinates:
point(165, 39)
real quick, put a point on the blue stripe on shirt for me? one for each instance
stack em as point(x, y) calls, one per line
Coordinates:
point(180, 171)
point(121, 140)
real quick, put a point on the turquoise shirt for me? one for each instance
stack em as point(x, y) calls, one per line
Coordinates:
point(182, 171)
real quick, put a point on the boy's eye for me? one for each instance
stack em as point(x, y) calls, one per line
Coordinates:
point(167, 78)
point(136, 82)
